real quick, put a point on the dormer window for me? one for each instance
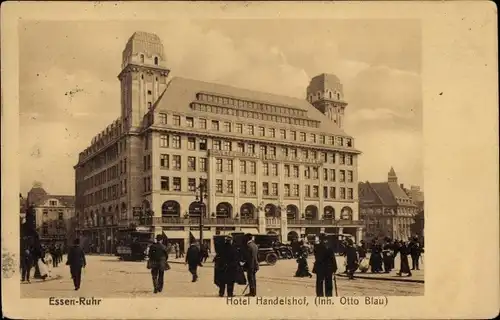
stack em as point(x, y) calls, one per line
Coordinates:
point(156, 61)
point(330, 94)
point(142, 58)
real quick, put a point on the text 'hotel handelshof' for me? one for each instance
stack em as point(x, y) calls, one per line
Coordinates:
point(271, 163)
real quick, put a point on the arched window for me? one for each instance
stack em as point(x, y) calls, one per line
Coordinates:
point(156, 61)
point(142, 58)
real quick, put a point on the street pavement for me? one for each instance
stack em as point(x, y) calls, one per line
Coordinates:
point(106, 276)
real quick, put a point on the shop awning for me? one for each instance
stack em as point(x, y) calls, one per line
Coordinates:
point(250, 230)
point(175, 234)
point(207, 234)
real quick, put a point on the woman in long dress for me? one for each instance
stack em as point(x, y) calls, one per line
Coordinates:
point(302, 267)
point(405, 265)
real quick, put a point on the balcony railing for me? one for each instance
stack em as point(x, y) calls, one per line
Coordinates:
point(238, 154)
point(206, 221)
point(323, 222)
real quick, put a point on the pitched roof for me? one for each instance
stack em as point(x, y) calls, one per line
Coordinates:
point(383, 190)
point(181, 92)
point(392, 172)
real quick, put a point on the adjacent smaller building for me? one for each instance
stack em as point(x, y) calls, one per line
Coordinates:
point(54, 215)
point(387, 208)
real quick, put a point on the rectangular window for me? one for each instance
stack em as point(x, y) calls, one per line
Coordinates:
point(274, 189)
point(338, 141)
point(191, 143)
point(218, 164)
point(296, 190)
point(265, 188)
point(164, 183)
point(227, 126)
point(240, 147)
point(164, 141)
point(215, 125)
point(293, 135)
point(252, 167)
point(332, 174)
point(322, 139)
point(348, 142)
point(349, 159)
point(287, 170)
point(342, 193)
point(250, 129)
point(176, 162)
point(265, 169)
point(315, 173)
point(274, 169)
point(229, 165)
point(227, 146)
point(271, 151)
point(239, 128)
point(191, 163)
point(192, 184)
point(243, 187)
point(349, 193)
point(176, 142)
point(341, 158)
point(333, 193)
point(315, 191)
point(308, 191)
point(218, 186)
point(253, 188)
point(293, 153)
point(325, 174)
point(287, 190)
point(312, 138)
point(303, 136)
point(202, 144)
point(342, 176)
point(216, 144)
point(177, 184)
point(349, 176)
point(307, 173)
point(190, 122)
point(262, 131)
point(263, 149)
point(177, 120)
point(251, 148)
point(272, 132)
point(163, 118)
point(229, 186)
point(296, 171)
point(202, 123)
point(243, 166)
point(283, 134)
point(203, 164)
point(325, 192)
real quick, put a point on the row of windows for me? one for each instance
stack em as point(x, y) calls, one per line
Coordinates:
point(250, 129)
point(107, 175)
point(175, 142)
point(101, 160)
point(250, 188)
point(250, 105)
point(255, 115)
point(107, 194)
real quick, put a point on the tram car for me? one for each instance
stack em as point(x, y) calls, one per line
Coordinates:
point(132, 243)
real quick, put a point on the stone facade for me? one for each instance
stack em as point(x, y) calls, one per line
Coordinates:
point(270, 163)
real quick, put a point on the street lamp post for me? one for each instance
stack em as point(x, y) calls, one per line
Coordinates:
point(199, 197)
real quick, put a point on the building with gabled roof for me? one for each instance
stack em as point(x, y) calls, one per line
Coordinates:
point(270, 163)
point(54, 215)
point(386, 208)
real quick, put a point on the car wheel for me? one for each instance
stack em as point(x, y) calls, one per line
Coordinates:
point(271, 259)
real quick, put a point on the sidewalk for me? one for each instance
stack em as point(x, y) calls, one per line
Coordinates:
point(415, 278)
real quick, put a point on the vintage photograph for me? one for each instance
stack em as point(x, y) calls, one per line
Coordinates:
point(205, 158)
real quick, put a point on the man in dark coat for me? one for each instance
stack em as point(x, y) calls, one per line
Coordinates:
point(158, 256)
point(351, 256)
point(226, 268)
point(415, 252)
point(387, 256)
point(26, 263)
point(193, 260)
point(325, 265)
point(76, 261)
point(251, 264)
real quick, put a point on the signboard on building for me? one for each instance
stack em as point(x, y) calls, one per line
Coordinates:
point(143, 229)
point(198, 228)
point(173, 228)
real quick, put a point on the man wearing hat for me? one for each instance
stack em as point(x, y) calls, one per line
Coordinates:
point(193, 259)
point(325, 265)
point(158, 256)
point(351, 256)
point(251, 264)
point(226, 267)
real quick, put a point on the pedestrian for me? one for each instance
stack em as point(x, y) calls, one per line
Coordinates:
point(325, 265)
point(158, 263)
point(405, 267)
point(193, 260)
point(376, 258)
point(363, 262)
point(351, 256)
point(415, 252)
point(26, 264)
point(49, 262)
point(76, 261)
point(204, 252)
point(181, 251)
point(251, 264)
point(59, 254)
point(387, 256)
point(302, 267)
point(226, 268)
point(176, 248)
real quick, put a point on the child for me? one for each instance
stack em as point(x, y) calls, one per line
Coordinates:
point(48, 262)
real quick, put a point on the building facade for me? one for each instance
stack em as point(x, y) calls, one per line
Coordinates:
point(386, 208)
point(270, 163)
point(54, 216)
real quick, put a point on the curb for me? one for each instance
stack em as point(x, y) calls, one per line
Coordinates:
point(383, 278)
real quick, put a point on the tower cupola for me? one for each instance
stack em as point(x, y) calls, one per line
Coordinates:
point(326, 93)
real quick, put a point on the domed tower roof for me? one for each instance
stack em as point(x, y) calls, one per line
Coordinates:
point(143, 43)
point(325, 81)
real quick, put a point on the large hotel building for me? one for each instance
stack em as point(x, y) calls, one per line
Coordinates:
point(270, 163)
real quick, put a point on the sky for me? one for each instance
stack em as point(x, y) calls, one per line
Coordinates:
point(69, 89)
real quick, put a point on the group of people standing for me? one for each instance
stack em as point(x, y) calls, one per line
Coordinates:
point(383, 255)
point(41, 258)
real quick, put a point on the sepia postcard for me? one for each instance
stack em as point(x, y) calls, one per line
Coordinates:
point(249, 160)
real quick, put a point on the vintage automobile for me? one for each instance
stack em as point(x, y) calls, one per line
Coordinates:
point(132, 243)
point(263, 241)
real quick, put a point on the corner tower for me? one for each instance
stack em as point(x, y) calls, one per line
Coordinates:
point(325, 92)
point(143, 77)
point(391, 176)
